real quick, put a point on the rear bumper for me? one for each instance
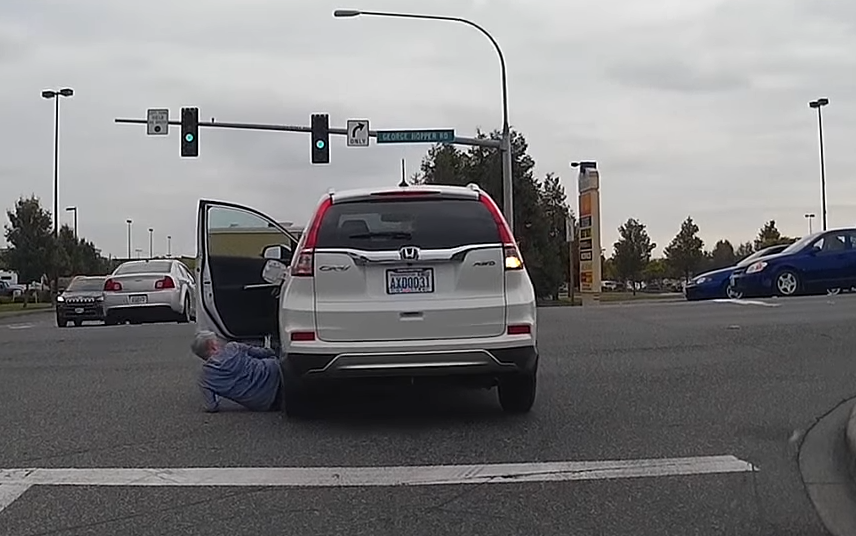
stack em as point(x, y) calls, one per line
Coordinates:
point(159, 301)
point(413, 363)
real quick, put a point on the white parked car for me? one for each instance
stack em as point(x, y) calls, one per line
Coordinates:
point(145, 290)
point(408, 282)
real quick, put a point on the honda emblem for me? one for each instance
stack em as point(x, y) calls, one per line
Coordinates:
point(409, 253)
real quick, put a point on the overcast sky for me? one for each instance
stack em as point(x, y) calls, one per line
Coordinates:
point(690, 108)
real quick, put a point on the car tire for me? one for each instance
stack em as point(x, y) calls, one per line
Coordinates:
point(517, 392)
point(731, 293)
point(787, 283)
point(61, 322)
point(185, 312)
point(295, 401)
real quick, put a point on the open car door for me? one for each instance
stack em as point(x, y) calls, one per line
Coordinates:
point(233, 245)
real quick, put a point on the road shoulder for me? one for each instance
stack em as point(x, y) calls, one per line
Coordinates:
point(825, 464)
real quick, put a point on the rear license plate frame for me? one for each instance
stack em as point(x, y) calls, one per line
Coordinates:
point(138, 299)
point(391, 274)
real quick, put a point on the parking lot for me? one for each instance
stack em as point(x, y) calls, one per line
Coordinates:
point(728, 387)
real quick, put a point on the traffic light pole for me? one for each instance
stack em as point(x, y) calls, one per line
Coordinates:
point(459, 140)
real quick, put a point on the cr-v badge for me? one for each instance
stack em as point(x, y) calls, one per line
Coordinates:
point(342, 268)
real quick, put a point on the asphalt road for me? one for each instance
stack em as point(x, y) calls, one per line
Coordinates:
point(641, 381)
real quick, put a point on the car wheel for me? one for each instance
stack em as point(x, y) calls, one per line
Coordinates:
point(787, 283)
point(61, 322)
point(517, 392)
point(185, 312)
point(733, 294)
point(295, 401)
point(833, 291)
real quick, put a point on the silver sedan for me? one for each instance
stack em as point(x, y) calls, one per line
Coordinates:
point(150, 290)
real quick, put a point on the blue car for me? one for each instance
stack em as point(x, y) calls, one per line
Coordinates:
point(716, 284)
point(817, 263)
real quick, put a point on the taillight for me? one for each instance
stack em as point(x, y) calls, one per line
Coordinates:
point(164, 283)
point(406, 193)
point(513, 258)
point(304, 266)
point(304, 336)
point(111, 285)
point(519, 329)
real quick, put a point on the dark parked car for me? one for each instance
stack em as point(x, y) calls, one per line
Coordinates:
point(817, 263)
point(82, 300)
point(716, 284)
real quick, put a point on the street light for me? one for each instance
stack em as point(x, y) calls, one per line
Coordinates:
point(818, 104)
point(73, 209)
point(505, 141)
point(151, 248)
point(139, 252)
point(809, 217)
point(168, 246)
point(56, 95)
point(129, 222)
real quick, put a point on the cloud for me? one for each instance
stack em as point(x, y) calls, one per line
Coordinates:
point(689, 107)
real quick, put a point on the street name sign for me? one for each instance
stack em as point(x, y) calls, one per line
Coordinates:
point(157, 121)
point(358, 132)
point(416, 136)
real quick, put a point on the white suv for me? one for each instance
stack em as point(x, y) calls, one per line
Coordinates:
point(408, 282)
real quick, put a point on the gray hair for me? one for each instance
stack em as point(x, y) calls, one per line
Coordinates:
point(201, 345)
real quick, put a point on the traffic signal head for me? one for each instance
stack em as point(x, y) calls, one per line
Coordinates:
point(320, 139)
point(189, 132)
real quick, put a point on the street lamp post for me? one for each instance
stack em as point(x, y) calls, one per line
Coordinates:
point(139, 252)
point(74, 210)
point(129, 222)
point(151, 241)
point(505, 141)
point(818, 104)
point(809, 217)
point(168, 246)
point(56, 95)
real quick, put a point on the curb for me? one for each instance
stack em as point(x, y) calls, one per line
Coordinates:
point(850, 435)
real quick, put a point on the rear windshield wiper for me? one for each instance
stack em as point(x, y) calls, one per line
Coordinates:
point(399, 235)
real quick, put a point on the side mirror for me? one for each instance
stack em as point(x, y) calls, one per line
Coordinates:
point(274, 271)
point(278, 252)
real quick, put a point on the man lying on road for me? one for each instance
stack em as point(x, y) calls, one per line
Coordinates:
point(248, 375)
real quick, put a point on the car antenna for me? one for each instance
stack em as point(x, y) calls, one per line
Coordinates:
point(403, 183)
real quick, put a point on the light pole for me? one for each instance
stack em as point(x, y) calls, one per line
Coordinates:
point(168, 246)
point(505, 141)
point(74, 210)
point(129, 222)
point(809, 217)
point(151, 248)
point(818, 104)
point(56, 95)
point(139, 252)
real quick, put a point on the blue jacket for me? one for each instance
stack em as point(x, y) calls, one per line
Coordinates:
point(248, 375)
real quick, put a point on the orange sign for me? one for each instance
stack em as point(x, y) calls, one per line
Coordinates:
point(585, 204)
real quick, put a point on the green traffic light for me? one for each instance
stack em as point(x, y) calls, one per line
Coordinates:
point(188, 137)
point(319, 144)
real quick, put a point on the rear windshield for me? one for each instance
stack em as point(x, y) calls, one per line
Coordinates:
point(425, 223)
point(85, 285)
point(154, 267)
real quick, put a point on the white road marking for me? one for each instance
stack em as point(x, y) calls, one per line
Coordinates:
point(18, 480)
point(10, 492)
point(747, 302)
point(19, 326)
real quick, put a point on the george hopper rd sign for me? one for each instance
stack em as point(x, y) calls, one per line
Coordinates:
point(416, 136)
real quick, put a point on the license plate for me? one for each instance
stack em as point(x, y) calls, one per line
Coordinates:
point(410, 281)
point(141, 298)
point(79, 310)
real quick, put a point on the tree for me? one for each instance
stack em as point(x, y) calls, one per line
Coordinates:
point(656, 270)
point(632, 251)
point(77, 256)
point(540, 207)
point(769, 235)
point(744, 250)
point(686, 251)
point(722, 255)
point(31, 243)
